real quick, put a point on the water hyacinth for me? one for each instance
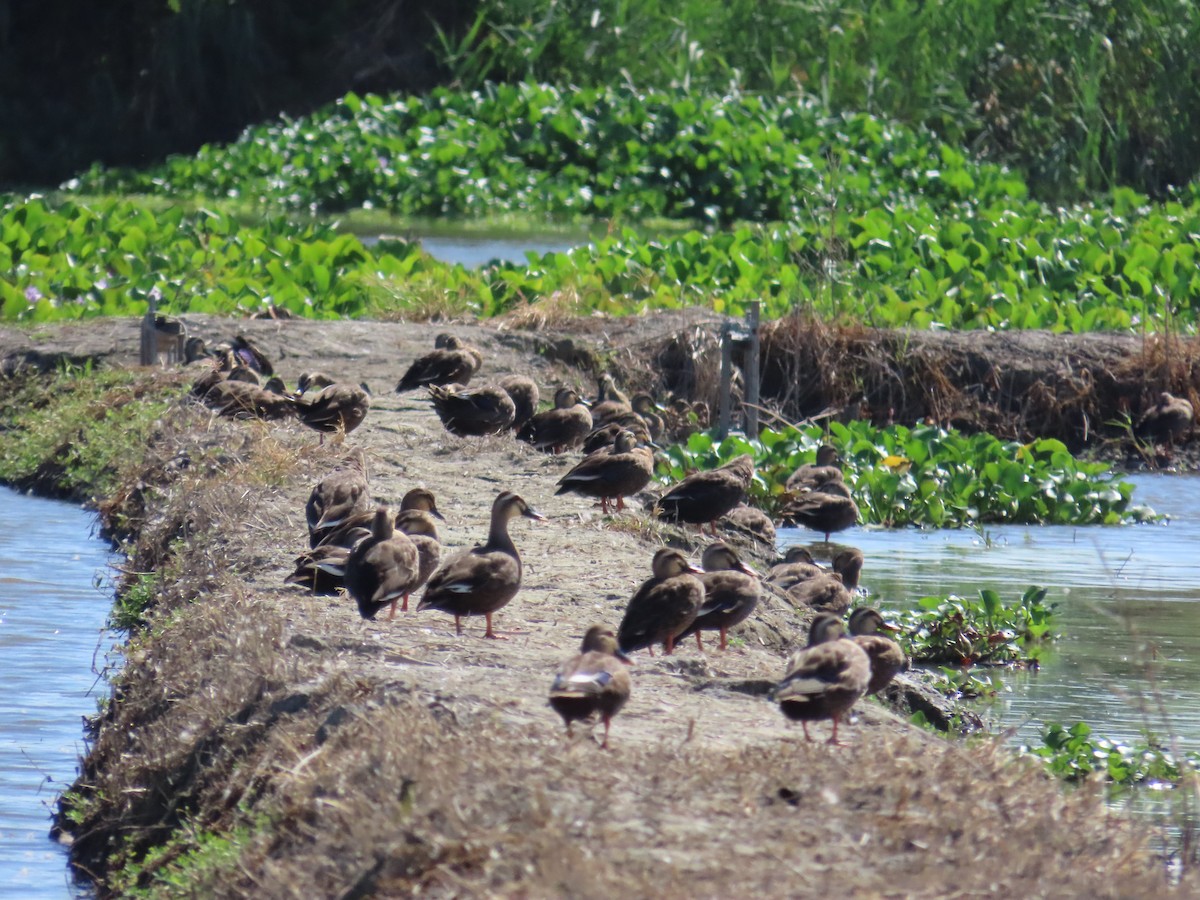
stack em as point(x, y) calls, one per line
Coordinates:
point(928, 476)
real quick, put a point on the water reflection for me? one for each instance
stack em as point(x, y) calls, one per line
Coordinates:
point(51, 616)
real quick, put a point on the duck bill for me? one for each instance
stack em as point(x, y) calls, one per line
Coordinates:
point(531, 513)
point(742, 567)
point(437, 515)
point(623, 657)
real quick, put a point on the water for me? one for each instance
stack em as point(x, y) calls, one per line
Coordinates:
point(1128, 604)
point(51, 619)
point(475, 250)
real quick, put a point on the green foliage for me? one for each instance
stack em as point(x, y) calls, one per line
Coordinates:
point(193, 862)
point(130, 605)
point(964, 631)
point(1074, 754)
point(926, 476)
point(596, 152)
point(76, 433)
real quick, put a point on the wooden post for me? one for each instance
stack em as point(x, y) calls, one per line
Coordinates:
point(751, 405)
point(149, 352)
point(726, 381)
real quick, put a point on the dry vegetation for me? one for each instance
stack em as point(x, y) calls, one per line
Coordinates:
point(261, 740)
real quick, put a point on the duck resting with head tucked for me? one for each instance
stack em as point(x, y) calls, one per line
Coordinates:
point(593, 681)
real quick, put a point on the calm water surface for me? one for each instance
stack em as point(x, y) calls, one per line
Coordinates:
point(1128, 604)
point(475, 250)
point(51, 621)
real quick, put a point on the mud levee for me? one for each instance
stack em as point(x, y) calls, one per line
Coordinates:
point(264, 741)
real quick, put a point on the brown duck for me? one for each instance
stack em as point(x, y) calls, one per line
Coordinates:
point(421, 529)
point(450, 362)
point(611, 475)
point(593, 681)
point(609, 400)
point(416, 499)
point(706, 496)
point(731, 593)
point(753, 523)
point(483, 579)
point(662, 607)
point(382, 568)
point(827, 508)
point(604, 437)
point(322, 569)
point(338, 496)
point(826, 678)
point(560, 428)
point(475, 412)
point(336, 409)
point(525, 396)
point(1167, 420)
point(887, 659)
point(827, 468)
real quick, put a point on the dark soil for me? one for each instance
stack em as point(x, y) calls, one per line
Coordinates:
point(263, 740)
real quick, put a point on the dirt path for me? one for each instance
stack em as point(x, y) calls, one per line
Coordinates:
point(393, 758)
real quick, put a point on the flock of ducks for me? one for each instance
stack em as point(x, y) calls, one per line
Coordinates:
point(381, 559)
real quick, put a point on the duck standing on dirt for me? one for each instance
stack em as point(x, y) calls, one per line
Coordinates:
point(706, 496)
point(419, 526)
point(561, 428)
point(473, 412)
point(593, 681)
point(337, 496)
point(731, 593)
point(826, 678)
point(887, 659)
point(484, 579)
point(338, 408)
point(382, 568)
point(611, 474)
point(1167, 420)
point(664, 606)
point(450, 362)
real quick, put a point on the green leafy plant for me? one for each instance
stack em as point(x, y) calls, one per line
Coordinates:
point(1074, 753)
point(926, 476)
point(964, 631)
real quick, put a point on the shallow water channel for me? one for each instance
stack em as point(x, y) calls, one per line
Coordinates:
point(52, 617)
point(472, 250)
point(1128, 607)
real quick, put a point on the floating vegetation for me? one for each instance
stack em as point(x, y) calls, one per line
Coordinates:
point(927, 476)
point(1074, 753)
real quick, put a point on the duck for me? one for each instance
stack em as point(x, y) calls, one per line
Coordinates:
point(605, 436)
point(561, 428)
point(322, 569)
point(826, 678)
point(338, 496)
point(450, 362)
point(811, 475)
point(887, 659)
point(421, 529)
point(593, 681)
point(345, 532)
point(482, 580)
point(525, 396)
point(1167, 420)
point(826, 592)
point(609, 400)
point(313, 381)
point(239, 399)
point(731, 593)
point(611, 474)
point(827, 508)
point(706, 496)
point(664, 606)
point(797, 565)
point(381, 569)
point(338, 408)
point(473, 413)
point(752, 522)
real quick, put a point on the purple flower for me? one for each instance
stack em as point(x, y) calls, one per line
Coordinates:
point(32, 295)
point(155, 294)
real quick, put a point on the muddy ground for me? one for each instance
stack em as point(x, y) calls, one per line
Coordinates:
point(264, 740)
